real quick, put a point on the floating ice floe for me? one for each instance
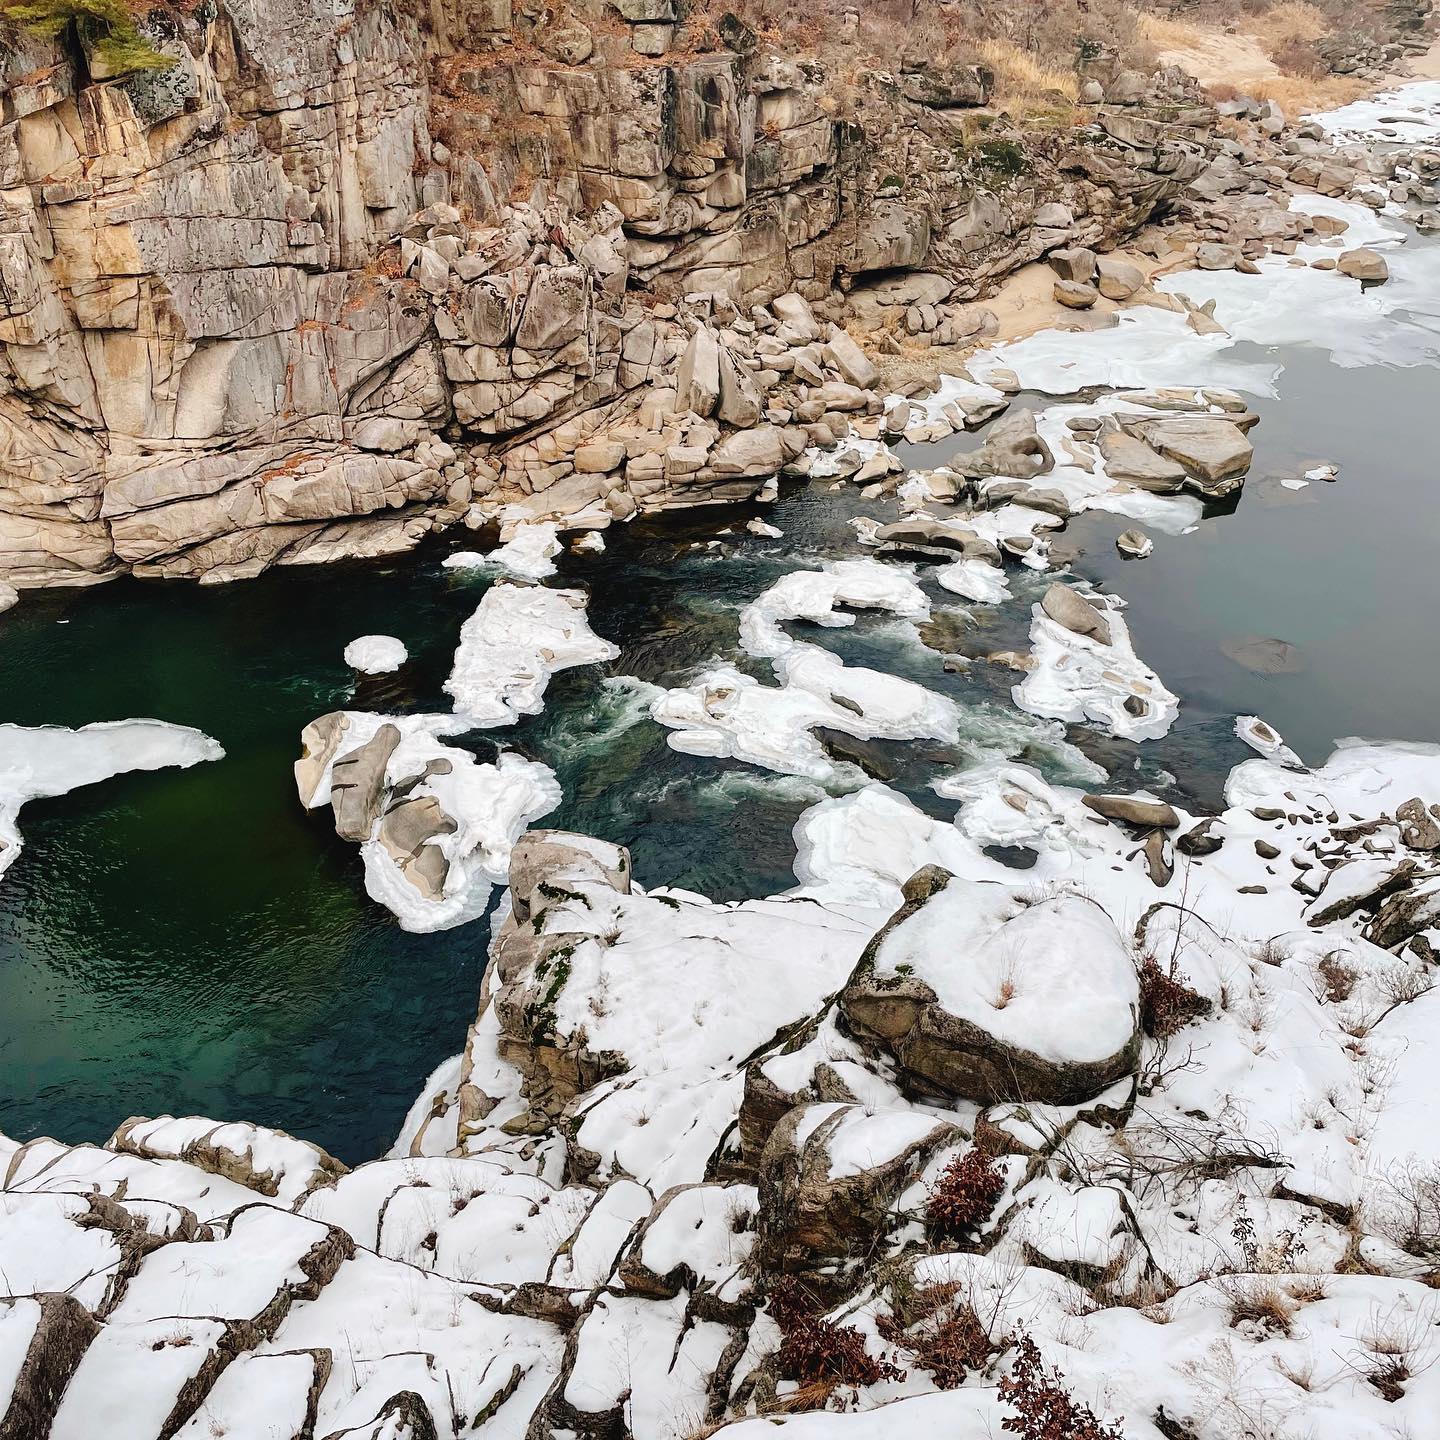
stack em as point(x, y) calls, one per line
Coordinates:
point(434, 825)
point(529, 553)
point(1078, 677)
point(1267, 742)
point(47, 760)
point(976, 580)
point(816, 596)
point(728, 714)
point(518, 637)
point(375, 654)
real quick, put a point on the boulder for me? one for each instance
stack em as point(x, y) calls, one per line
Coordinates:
point(697, 384)
point(556, 858)
point(357, 784)
point(1013, 448)
point(753, 453)
point(829, 1174)
point(1118, 279)
point(1211, 256)
point(944, 539)
point(406, 831)
point(1071, 610)
point(1127, 458)
point(1364, 264)
point(850, 360)
point(1134, 544)
point(1075, 296)
point(1214, 452)
point(740, 401)
point(977, 995)
point(1074, 264)
point(1418, 827)
point(1133, 810)
point(794, 310)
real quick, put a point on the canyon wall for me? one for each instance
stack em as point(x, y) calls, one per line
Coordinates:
point(339, 276)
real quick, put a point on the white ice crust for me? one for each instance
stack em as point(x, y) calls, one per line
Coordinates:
point(518, 637)
point(375, 654)
point(1076, 678)
point(528, 553)
point(47, 760)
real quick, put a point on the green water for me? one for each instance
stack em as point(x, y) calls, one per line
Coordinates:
point(194, 942)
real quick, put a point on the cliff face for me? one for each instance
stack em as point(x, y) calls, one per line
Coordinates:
point(255, 310)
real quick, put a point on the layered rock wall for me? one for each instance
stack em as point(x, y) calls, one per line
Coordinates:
point(255, 310)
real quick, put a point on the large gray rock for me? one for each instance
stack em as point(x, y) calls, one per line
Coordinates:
point(1128, 458)
point(815, 1214)
point(357, 784)
point(1070, 609)
point(1013, 448)
point(1133, 810)
point(845, 354)
point(407, 830)
point(1214, 452)
point(697, 384)
point(1077, 265)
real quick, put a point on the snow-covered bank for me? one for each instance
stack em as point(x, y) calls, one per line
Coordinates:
point(1199, 1157)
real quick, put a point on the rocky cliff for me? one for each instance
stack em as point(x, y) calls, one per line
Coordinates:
point(344, 273)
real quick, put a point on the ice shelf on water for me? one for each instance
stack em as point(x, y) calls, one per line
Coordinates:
point(47, 760)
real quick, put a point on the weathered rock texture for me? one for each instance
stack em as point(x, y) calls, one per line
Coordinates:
point(230, 341)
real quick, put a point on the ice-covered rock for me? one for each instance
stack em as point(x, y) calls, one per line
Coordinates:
point(510, 647)
point(1095, 676)
point(434, 825)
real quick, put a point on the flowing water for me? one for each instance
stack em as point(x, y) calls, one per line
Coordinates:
point(193, 942)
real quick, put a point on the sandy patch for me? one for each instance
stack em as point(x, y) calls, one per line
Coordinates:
point(1215, 59)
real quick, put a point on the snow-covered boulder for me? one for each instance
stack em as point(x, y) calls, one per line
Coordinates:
point(829, 1175)
point(980, 995)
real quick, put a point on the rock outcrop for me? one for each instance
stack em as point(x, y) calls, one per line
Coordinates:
point(295, 298)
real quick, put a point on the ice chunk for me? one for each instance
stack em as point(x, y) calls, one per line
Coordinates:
point(529, 552)
point(375, 654)
point(50, 760)
point(510, 647)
